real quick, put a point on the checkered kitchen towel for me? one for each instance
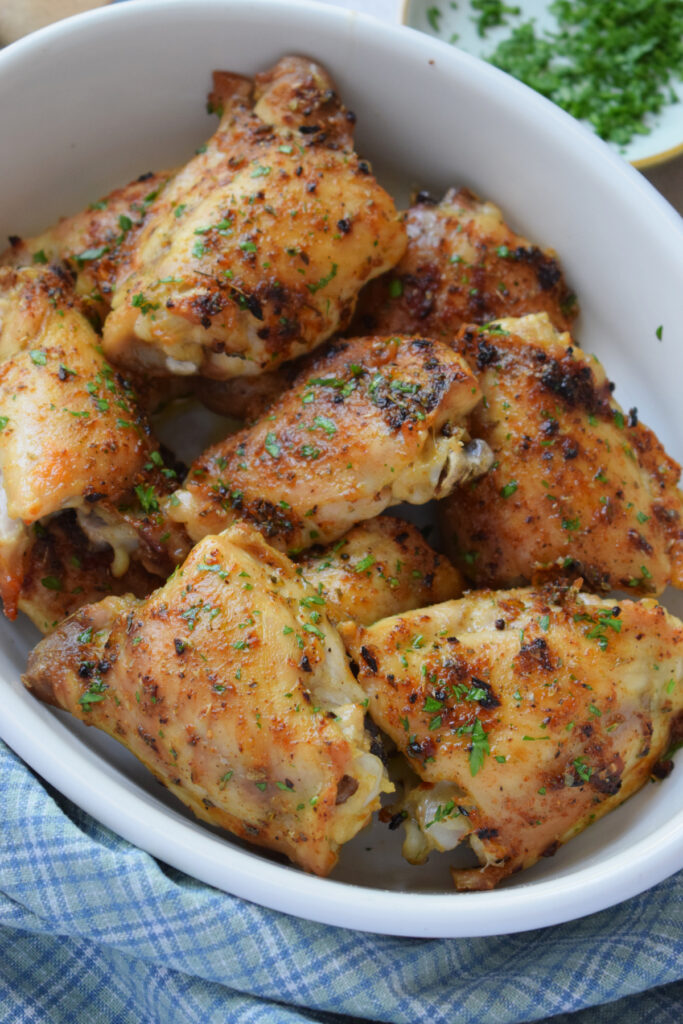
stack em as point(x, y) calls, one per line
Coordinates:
point(94, 931)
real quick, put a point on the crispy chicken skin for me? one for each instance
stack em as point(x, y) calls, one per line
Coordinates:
point(379, 568)
point(64, 571)
point(463, 264)
point(577, 488)
point(527, 714)
point(186, 681)
point(95, 243)
point(256, 250)
point(71, 435)
point(372, 422)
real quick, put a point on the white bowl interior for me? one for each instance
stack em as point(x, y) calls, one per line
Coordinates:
point(93, 102)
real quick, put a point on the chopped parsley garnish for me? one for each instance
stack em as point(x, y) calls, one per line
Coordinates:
point(480, 747)
point(609, 63)
point(143, 304)
point(433, 15)
point(324, 281)
point(272, 446)
point(432, 704)
point(95, 693)
point(38, 357)
point(491, 14)
point(448, 810)
point(52, 583)
point(583, 770)
point(509, 489)
point(309, 451)
point(90, 254)
point(147, 498)
point(326, 424)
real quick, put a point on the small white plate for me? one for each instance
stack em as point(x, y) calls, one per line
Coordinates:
point(454, 23)
point(95, 101)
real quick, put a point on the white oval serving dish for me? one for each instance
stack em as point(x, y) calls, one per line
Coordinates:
point(93, 102)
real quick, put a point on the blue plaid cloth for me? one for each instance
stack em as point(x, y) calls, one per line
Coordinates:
point(94, 931)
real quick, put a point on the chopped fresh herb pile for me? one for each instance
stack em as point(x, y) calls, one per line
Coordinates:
point(609, 63)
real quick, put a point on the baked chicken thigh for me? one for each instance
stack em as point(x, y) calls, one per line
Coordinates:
point(578, 487)
point(528, 714)
point(71, 436)
point(463, 265)
point(256, 250)
point(232, 687)
point(370, 423)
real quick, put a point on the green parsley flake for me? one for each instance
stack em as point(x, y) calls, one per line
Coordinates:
point(433, 15)
point(326, 424)
point(52, 583)
point(324, 281)
point(272, 445)
point(143, 304)
point(479, 749)
point(90, 254)
point(147, 498)
point(583, 770)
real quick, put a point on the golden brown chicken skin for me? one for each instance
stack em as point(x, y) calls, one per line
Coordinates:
point(372, 422)
point(95, 243)
point(463, 264)
point(527, 713)
point(232, 687)
point(256, 251)
point(379, 568)
point(64, 572)
point(577, 485)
